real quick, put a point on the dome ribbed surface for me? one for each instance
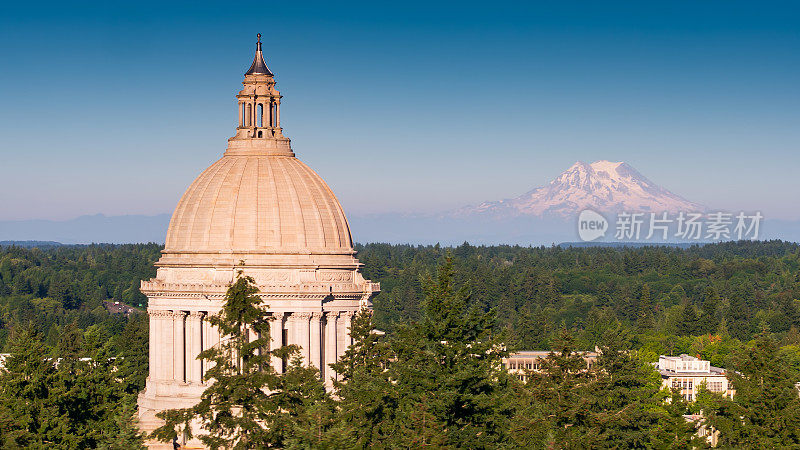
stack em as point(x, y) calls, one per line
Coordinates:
point(258, 203)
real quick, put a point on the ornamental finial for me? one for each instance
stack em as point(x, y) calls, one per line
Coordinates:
point(259, 67)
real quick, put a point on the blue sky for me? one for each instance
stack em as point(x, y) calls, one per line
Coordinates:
point(401, 107)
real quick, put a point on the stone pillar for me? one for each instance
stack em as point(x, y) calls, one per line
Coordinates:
point(154, 341)
point(277, 113)
point(271, 118)
point(348, 322)
point(208, 341)
point(194, 345)
point(276, 339)
point(303, 335)
point(331, 354)
point(178, 333)
point(165, 346)
point(241, 115)
point(341, 331)
point(315, 340)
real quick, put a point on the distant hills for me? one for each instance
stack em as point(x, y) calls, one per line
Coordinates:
point(31, 244)
point(89, 229)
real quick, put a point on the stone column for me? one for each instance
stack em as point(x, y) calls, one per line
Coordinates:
point(303, 335)
point(276, 339)
point(165, 347)
point(194, 345)
point(178, 333)
point(348, 322)
point(208, 340)
point(315, 340)
point(271, 114)
point(241, 116)
point(152, 345)
point(277, 113)
point(332, 318)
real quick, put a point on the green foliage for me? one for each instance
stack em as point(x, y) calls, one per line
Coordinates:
point(437, 382)
point(765, 411)
point(615, 403)
point(435, 378)
point(368, 399)
point(65, 402)
point(536, 290)
point(51, 288)
point(248, 404)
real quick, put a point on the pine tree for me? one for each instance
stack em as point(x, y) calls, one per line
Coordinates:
point(247, 404)
point(688, 321)
point(27, 411)
point(708, 318)
point(552, 397)
point(450, 361)
point(765, 410)
point(368, 400)
point(644, 310)
point(624, 407)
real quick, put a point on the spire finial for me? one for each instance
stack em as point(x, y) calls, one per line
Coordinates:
point(259, 67)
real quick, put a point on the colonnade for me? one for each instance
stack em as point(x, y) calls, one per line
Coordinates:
point(266, 114)
point(177, 338)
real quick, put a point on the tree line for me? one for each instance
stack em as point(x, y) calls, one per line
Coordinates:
point(434, 379)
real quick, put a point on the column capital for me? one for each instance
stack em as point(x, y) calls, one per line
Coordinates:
point(196, 314)
point(161, 313)
point(303, 315)
point(317, 315)
point(278, 315)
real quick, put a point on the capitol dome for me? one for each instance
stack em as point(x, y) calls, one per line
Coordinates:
point(259, 203)
point(261, 212)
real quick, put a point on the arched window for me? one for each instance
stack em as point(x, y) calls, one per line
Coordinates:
point(260, 115)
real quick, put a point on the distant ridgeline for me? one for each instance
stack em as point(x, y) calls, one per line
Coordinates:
point(737, 288)
point(30, 244)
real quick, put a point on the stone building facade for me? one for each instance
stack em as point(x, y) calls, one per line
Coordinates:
point(261, 210)
point(687, 373)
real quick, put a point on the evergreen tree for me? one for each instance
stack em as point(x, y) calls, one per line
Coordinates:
point(65, 402)
point(765, 410)
point(644, 310)
point(368, 399)
point(450, 362)
point(552, 400)
point(624, 406)
point(28, 415)
point(708, 318)
point(247, 404)
point(687, 326)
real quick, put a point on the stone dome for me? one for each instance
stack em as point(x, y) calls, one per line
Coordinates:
point(259, 204)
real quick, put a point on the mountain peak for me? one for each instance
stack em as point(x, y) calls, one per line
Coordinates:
point(604, 186)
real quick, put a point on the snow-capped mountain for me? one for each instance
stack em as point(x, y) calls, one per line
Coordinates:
point(603, 186)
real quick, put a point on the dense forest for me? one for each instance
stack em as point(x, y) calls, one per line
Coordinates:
point(671, 298)
point(721, 302)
